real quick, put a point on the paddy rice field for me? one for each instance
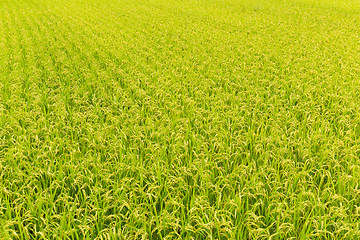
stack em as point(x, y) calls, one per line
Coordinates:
point(179, 119)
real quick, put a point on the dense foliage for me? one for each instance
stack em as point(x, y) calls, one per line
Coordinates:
point(179, 119)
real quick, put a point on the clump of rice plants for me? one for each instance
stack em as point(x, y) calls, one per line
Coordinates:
point(170, 119)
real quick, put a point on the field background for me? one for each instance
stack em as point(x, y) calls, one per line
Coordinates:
point(170, 119)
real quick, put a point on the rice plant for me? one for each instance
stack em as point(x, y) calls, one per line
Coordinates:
point(179, 119)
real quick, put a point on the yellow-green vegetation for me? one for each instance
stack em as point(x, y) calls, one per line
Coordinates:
point(179, 119)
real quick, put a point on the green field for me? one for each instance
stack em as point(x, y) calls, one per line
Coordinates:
point(179, 119)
